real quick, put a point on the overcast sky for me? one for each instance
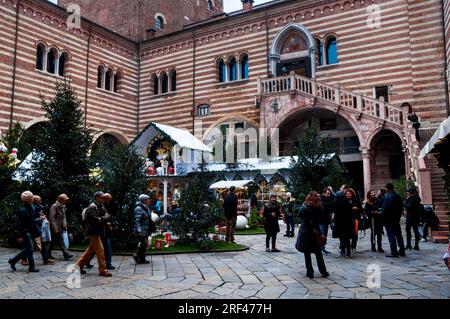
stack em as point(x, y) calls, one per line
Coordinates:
point(234, 5)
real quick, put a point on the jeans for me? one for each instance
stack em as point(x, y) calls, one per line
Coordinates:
point(394, 233)
point(415, 227)
point(272, 238)
point(26, 252)
point(324, 231)
point(58, 237)
point(142, 248)
point(231, 225)
point(290, 224)
point(95, 247)
point(44, 250)
point(320, 263)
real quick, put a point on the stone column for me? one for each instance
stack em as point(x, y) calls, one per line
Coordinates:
point(365, 152)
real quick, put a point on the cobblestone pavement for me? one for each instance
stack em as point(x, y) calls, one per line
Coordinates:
point(249, 274)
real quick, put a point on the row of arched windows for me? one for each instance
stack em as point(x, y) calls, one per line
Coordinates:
point(232, 68)
point(164, 82)
point(51, 60)
point(326, 51)
point(109, 79)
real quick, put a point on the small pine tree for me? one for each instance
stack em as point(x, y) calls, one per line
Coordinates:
point(255, 219)
point(61, 163)
point(123, 176)
point(314, 169)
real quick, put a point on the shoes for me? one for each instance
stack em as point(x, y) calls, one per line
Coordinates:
point(373, 248)
point(89, 266)
point(33, 270)
point(416, 248)
point(392, 256)
point(24, 262)
point(287, 235)
point(82, 271)
point(105, 274)
point(12, 264)
point(408, 247)
point(268, 249)
point(380, 250)
point(51, 257)
point(68, 256)
point(423, 240)
point(49, 262)
point(275, 250)
point(326, 252)
point(111, 267)
point(325, 275)
point(402, 253)
point(310, 275)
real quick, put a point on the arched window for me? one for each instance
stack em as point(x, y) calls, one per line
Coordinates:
point(232, 67)
point(203, 110)
point(117, 81)
point(100, 72)
point(332, 57)
point(159, 23)
point(155, 84)
point(210, 5)
point(244, 67)
point(51, 60)
point(108, 78)
point(40, 55)
point(222, 71)
point(63, 60)
point(173, 80)
point(319, 52)
point(294, 43)
point(164, 83)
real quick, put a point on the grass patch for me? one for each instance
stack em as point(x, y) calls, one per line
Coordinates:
point(254, 231)
point(219, 246)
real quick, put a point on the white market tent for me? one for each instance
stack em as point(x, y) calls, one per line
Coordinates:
point(228, 184)
point(438, 137)
point(183, 138)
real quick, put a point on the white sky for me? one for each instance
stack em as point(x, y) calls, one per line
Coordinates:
point(234, 5)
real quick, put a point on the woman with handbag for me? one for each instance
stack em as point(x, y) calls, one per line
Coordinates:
point(372, 212)
point(310, 240)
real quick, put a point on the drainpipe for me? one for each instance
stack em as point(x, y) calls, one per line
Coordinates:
point(267, 41)
point(14, 66)
point(139, 88)
point(87, 75)
point(447, 102)
point(193, 80)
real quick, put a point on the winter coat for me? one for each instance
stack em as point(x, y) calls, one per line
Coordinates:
point(325, 215)
point(288, 208)
point(94, 221)
point(392, 208)
point(27, 223)
point(271, 225)
point(57, 217)
point(310, 224)
point(230, 204)
point(343, 218)
point(413, 209)
point(372, 211)
point(143, 223)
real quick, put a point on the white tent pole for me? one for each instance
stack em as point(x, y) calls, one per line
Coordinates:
point(174, 157)
point(165, 182)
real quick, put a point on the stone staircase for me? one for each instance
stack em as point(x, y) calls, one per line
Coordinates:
point(440, 201)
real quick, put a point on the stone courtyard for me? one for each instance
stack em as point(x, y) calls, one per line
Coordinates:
point(253, 273)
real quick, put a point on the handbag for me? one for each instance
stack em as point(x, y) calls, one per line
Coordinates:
point(364, 224)
point(320, 239)
point(65, 236)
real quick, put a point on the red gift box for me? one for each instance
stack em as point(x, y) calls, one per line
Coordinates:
point(158, 244)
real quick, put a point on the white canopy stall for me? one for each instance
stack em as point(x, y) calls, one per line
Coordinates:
point(175, 151)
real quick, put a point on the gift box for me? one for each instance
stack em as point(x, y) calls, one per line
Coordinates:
point(158, 244)
point(172, 243)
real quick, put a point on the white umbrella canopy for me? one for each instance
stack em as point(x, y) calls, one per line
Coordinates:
point(228, 184)
point(438, 137)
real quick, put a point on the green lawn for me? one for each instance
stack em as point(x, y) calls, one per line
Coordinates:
point(255, 231)
point(177, 249)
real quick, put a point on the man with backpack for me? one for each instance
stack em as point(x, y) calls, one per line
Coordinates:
point(95, 218)
point(392, 210)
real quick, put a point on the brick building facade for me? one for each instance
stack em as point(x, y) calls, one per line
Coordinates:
point(353, 68)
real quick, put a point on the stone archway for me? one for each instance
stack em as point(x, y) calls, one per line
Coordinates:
point(108, 139)
point(293, 48)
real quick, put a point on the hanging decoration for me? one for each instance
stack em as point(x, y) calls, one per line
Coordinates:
point(159, 156)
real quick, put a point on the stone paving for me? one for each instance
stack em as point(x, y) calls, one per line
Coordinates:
point(253, 273)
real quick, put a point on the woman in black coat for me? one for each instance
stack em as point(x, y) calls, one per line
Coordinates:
point(272, 212)
point(310, 215)
point(344, 228)
point(373, 213)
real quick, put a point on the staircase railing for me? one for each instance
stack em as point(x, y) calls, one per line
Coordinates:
point(333, 94)
point(420, 173)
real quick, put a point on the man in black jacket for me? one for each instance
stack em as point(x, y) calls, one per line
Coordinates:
point(413, 212)
point(392, 212)
point(96, 218)
point(230, 204)
point(29, 231)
